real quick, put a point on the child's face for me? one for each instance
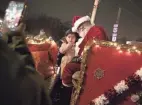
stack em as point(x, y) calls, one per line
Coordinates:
point(71, 38)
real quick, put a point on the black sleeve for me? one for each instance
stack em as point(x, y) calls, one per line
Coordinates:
point(59, 58)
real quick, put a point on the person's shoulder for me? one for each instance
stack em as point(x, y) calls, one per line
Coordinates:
point(97, 27)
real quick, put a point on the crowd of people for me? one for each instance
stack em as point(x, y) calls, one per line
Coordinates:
point(21, 84)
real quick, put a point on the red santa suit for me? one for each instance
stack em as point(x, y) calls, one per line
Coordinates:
point(94, 32)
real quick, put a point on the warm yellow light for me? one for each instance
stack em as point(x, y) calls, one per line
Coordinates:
point(118, 47)
point(128, 50)
point(111, 43)
point(97, 46)
point(134, 47)
point(94, 41)
point(139, 52)
point(120, 51)
point(115, 44)
point(85, 49)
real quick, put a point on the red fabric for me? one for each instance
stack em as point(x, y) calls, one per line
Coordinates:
point(75, 18)
point(54, 51)
point(117, 66)
point(43, 64)
point(95, 32)
point(38, 47)
point(40, 53)
point(69, 70)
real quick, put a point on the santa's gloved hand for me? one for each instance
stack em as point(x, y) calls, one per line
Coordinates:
point(75, 78)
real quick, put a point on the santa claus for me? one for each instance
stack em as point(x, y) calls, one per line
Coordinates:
point(87, 31)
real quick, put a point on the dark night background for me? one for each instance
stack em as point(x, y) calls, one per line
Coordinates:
point(130, 26)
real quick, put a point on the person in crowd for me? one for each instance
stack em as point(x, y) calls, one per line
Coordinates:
point(16, 41)
point(87, 31)
point(20, 83)
point(68, 48)
point(65, 55)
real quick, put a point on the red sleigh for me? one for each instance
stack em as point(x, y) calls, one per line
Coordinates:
point(45, 55)
point(110, 74)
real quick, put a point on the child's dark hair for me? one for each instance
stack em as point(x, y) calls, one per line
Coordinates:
point(75, 33)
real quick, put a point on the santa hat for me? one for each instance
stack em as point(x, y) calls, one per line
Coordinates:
point(77, 21)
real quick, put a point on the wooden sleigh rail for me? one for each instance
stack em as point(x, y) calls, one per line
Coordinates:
point(105, 65)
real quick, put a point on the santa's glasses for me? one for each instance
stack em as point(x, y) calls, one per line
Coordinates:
point(81, 28)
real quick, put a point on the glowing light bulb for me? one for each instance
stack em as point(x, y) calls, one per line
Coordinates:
point(111, 43)
point(97, 46)
point(128, 51)
point(118, 47)
point(94, 41)
point(134, 47)
point(139, 52)
point(85, 49)
point(120, 51)
point(115, 44)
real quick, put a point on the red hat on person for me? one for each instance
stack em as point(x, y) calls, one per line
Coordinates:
point(77, 21)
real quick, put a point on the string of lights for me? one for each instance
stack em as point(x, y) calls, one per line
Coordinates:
point(120, 47)
point(39, 39)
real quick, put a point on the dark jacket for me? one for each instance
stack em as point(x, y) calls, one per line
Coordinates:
point(16, 41)
point(20, 84)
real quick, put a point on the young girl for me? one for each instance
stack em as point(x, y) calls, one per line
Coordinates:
point(68, 48)
point(66, 52)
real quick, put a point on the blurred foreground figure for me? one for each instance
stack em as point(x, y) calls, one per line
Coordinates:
point(20, 84)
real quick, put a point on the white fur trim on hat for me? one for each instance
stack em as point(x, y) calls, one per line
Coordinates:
point(79, 22)
point(74, 29)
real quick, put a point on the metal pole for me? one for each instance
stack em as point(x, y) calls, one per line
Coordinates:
point(96, 2)
point(118, 15)
point(115, 26)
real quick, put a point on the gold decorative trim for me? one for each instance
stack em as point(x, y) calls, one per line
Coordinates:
point(77, 90)
point(129, 48)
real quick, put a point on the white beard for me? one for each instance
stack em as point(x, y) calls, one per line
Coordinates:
point(82, 34)
point(85, 31)
point(77, 46)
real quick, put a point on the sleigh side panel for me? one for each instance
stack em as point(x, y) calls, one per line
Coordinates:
point(106, 66)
